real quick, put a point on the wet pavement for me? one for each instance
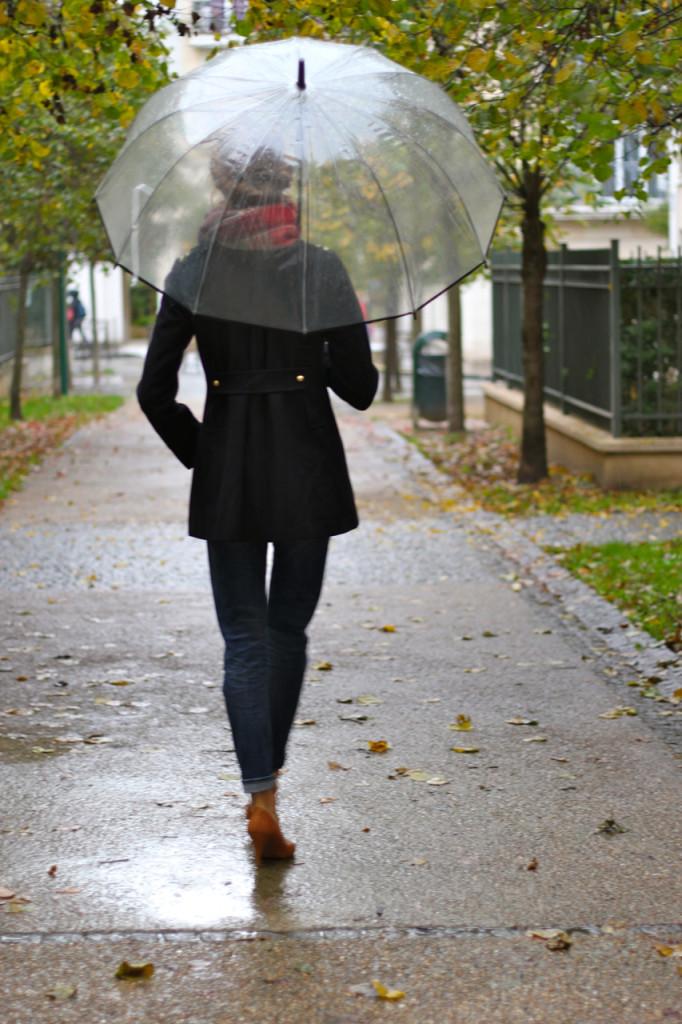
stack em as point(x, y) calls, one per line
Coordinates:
point(123, 836)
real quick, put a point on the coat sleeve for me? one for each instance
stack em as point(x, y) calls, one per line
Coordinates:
point(174, 423)
point(350, 371)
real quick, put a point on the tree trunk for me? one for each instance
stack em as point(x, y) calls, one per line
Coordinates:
point(533, 464)
point(17, 369)
point(93, 333)
point(127, 307)
point(455, 381)
point(417, 324)
point(397, 376)
point(55, 315)
point(390, 355)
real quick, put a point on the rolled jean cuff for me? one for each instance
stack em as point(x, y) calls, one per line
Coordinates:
point(258, 785)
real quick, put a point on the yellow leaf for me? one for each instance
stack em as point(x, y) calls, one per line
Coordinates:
point(620, 711)
point(387, 993)
point(644, 57)
point(388, 629)
point(417, 774)
point(127, 77)
point(629, 41)
point(324, 666)
point(461, 724)
point(45, 89)
point(657, 112)
point(128, 970)
point(465, 750)
point(674, 951)
point(565, 72)
point(478, 59)
point(378, 746)
point(38, 148)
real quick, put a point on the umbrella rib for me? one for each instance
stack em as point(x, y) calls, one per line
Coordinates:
point(386, 203)
point(435, 162)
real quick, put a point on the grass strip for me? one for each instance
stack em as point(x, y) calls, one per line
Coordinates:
point(644, 580)
point(484, 463)
point(47, 423)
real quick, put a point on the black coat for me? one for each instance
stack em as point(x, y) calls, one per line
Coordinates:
point(267, 458)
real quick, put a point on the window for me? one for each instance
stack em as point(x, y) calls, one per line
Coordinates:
point(628, 151)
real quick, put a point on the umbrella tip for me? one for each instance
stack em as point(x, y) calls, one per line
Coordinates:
point(301, 74)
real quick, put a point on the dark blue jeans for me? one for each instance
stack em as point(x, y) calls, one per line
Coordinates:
point(265, 643)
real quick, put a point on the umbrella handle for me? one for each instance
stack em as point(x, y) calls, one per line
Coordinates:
point(140, 195)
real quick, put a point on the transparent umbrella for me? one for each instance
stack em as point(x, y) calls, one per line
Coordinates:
point(302, 185)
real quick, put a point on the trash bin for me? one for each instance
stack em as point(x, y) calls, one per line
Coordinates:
point(429, 368)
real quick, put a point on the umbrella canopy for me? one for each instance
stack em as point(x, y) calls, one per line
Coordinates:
point(300, 184)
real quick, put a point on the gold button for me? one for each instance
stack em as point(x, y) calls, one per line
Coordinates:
point(216, 383)
point(300, 378)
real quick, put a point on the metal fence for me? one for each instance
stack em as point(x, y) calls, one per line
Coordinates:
point(39, 319)
point(612, 337)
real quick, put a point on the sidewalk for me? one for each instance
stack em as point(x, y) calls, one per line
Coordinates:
point(115, 750)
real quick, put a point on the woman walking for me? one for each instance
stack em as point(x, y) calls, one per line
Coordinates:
point(268, 461)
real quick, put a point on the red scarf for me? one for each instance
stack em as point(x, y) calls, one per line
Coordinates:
point(255, 227)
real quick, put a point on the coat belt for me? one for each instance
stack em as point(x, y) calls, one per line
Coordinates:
point(263, 382)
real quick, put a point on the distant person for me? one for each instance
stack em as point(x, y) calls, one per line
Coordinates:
point(75, 315)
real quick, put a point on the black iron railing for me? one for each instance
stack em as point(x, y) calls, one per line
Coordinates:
point(612, 337)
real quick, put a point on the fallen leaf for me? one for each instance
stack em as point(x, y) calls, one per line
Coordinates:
point(52, 871)
point(17, 906)
point(437, 780)
point(388, 629)
point(354, 716)
point(336, 767)
point(378, 746)
point(414, 773)
point(128, 970)
point(61, 992)
point(7, 894)
point(118, 682)
point(461, 724)
point(674, 951)
point(327, 799)
point(532, 864)
point(465, 750)
point(418, 862)
point(534, 739)
point(305, 721)
point(620, 711)
point(522, 721)
point(368, 698)
point(488, 632)
point(324, 666)
point(555, 938)
point(387, 993)
point(610, 827)
point(69, 891)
